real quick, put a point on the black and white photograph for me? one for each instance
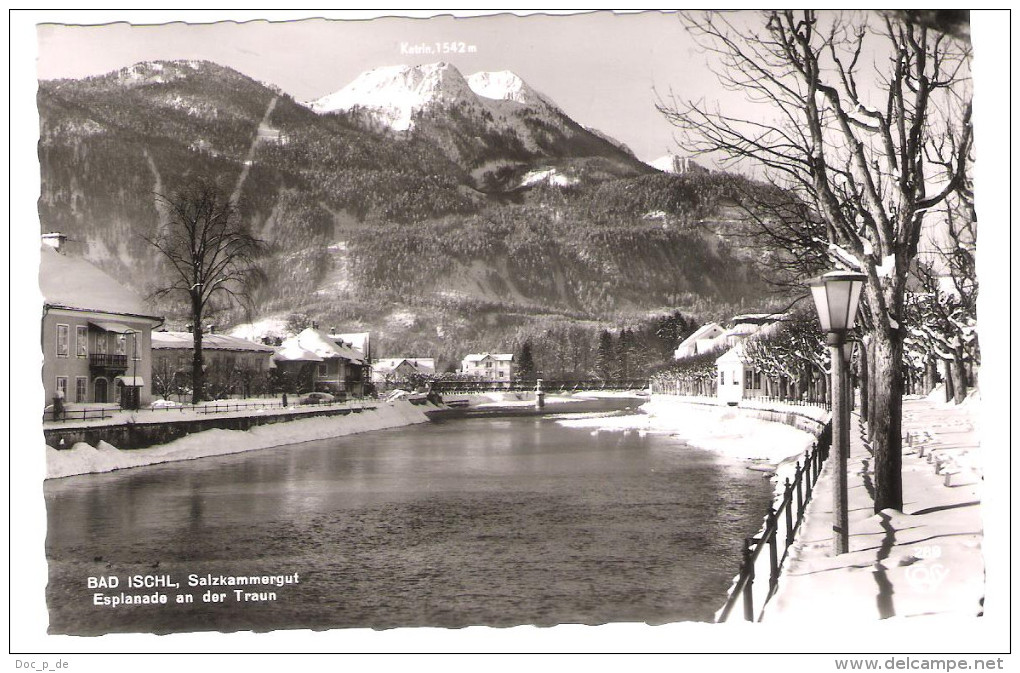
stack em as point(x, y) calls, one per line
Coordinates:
point(605, 331)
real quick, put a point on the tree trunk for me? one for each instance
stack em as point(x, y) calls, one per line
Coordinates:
point(930, 376)
point(197, 368)
point(887, 414)
point(862, 365)
point(197, 372)
point(872, 387)
point(959, 377)
point(947, 380)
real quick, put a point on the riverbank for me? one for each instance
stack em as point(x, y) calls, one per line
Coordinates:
point(926, 560)
point(84, 458)
point(732, 431)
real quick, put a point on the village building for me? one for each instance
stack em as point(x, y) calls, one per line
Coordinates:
point(489, 366)
point(229, 362)
point(96, 333)
point(315, 362)
point(701, 341)
point(737, 377)
point(397, 371)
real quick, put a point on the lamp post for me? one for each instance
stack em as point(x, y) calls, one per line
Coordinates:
point(134, 395)
point(837, 295)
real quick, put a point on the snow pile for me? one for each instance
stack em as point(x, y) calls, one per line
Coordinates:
point(725, 430)
point(83, 458)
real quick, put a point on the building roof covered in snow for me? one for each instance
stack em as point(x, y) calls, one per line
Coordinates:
point(387, 365)
point(689, 345)
point(75, 283)
point(359, 341)
point(169, 340)
point(319, 344)
point(478, 357)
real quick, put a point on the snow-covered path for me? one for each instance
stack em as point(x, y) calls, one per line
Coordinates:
point(926, 560)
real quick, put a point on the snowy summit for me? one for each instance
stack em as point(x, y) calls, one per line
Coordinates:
point(394, 94)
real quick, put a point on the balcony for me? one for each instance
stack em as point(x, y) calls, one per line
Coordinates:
point(107, 361)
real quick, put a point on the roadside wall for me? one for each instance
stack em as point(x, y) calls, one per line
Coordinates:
point(141, 435)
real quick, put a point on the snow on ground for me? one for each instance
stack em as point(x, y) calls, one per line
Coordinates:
point(725, 430)
point(83, 458)
point(925, 560)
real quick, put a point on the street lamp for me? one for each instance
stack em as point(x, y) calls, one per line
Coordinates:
point(134, 395)
point(837, 295)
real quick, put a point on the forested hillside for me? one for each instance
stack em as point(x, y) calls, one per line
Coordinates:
point(368, 229)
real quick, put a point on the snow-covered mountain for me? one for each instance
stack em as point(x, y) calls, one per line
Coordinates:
point(493, 124)
point(393, 94)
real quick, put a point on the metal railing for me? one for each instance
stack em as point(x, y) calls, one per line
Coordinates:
point(660, 389)
point(100, 413)
point(548, 385)
point(111, 360)
point(782, 521)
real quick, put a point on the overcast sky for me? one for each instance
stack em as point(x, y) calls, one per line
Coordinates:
point(602, 69)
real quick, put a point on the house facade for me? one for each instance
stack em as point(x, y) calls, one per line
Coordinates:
point(396, 371)
point(489, 366)
point(314, 361)
point(736, 377)
point(232, 359)
point(96, 334)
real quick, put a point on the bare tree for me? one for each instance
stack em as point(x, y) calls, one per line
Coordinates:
point(210, 255)
point(866, 117)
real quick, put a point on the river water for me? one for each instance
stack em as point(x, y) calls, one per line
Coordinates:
point(488, 521)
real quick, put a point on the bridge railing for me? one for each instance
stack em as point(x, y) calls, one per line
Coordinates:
point(763, 557)
point(548, 385)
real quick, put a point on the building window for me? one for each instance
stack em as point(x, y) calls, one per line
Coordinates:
point(748, 380)
point(81, 340)
point(62, 385)
point(722, 378)
point(101, 343)
point(81, 389)
point(120, 345)
point(322, 370)
point(62, 343)
point(136, 352)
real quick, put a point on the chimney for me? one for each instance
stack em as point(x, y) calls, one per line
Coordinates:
point(55, 240)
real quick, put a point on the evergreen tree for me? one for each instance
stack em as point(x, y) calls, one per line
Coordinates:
point(625, 354)
point(526, 363)
point(605, 358)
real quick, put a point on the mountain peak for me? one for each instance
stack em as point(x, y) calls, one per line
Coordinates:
point(505, 85)
point(396, 92)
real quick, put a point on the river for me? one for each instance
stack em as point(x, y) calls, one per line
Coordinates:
point(485, 521)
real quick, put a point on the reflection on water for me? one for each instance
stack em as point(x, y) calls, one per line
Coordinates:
point(481, 521)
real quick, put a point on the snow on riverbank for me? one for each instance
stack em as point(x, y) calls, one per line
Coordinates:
point(722, 429)
point(83, 458)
